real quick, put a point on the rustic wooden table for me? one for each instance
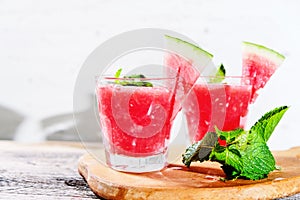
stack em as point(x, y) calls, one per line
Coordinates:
point(44, 171)
point(41, 171)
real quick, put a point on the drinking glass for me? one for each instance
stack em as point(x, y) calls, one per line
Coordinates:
point(136, 121)
point(220, 102)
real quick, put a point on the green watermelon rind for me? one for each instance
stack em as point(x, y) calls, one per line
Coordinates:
point(191, 46)
point(197, 56)
point(266, 52)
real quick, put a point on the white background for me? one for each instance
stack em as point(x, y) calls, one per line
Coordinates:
point(44, 43)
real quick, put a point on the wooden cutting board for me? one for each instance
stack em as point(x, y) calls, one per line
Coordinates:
point(201, 181)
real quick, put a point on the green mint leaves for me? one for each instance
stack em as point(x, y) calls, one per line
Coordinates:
point(117, 75)
point(201, 149)
point(219, 76)
point(266, 125)
point(132, 80)
point(246, 154)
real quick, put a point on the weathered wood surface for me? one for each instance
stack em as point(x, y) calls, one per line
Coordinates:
point(44, 171)
point(200, 181)
point(41, 171)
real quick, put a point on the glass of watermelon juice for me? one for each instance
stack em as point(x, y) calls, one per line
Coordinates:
point(223, 105)
point(136, 122)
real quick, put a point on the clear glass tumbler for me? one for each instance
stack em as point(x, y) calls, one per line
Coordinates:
point(136, 121)
point(215, 103)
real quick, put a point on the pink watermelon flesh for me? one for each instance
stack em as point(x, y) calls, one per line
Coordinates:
point(207, 107)
point(141, 101)
point(186, 75)
point(183, 69)
point(185, 63)
point(259, 65)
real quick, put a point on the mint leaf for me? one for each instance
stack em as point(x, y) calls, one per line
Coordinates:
point(132, 80)
point(229, 136)
point(191, 154)
point(200, 150)
point(221, 70)
point(207, 144)
point(228, 156)
point(135, 76)
point(117, 75)
point(267, 123)
point(258, 161)
point(219, 76)
point(246, 154)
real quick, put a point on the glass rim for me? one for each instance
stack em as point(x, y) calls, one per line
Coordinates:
point(224, 80)
point(148, 78)
point(158, 78)
point(230, 76)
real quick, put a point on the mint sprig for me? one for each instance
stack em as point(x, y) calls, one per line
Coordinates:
point(132, 80)
point(246, 154)
point(219, 76)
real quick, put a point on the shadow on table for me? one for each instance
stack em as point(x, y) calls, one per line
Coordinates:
point(61, 127)
point(9, 122)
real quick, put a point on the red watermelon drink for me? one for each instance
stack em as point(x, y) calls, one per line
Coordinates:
point(221, 105)
point(226, 105)
point(136, 122)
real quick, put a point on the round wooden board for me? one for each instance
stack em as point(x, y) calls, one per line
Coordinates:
point(201, 181)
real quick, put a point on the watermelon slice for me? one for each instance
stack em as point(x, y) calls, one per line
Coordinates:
point(259, 64)
point(185, 61)
point(189, 58)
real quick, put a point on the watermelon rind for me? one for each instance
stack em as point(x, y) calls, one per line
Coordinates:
point(259, 64)
point(188, 45)
point(198, 57)
point(270, 54)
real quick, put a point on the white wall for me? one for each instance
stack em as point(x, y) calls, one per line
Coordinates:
point(44, 43)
